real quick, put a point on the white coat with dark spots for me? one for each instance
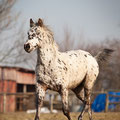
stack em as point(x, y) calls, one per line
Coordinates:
point(62, 71)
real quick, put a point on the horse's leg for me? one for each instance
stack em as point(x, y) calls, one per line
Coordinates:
point(40, 93)
point(64, 95)
point(84, 95)
point(89, 109)
point(80, 93)
point(86, 102)
point(89, 82)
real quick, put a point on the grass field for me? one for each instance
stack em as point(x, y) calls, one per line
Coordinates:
point(59, 116)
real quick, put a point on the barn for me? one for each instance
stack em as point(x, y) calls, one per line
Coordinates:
point(14, 80)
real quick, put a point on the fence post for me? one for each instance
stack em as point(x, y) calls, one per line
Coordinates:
point(4, 102)
point(51, 103)
point(107, 102)
point(24, 97)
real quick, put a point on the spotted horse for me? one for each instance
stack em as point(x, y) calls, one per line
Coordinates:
point(74, 70)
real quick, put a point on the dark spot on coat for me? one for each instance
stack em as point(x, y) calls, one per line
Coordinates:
point(65, 68)
point(37, 33)
point(75, 55)
point(32, 30)
point(70, 55)
point(85, 55)
point(49, 36)
point(49, 62)
point(33, 35)
point(51, 70)
point(59, 61)
point(50, 82)
point(39, 38)
point(63, 62)
point(49, 73)
point(95, 75)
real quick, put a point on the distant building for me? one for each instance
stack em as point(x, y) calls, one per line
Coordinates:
point(14, 80)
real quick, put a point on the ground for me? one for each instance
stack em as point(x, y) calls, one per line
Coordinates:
point(59, 116)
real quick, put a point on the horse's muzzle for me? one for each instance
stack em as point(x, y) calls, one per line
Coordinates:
point(27, 47)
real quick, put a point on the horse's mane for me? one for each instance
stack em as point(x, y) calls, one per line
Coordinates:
point(50, 34)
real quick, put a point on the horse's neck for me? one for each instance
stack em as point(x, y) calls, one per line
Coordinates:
point(46, 54)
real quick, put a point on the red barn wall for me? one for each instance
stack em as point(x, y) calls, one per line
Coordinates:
point(8, 86)
point(25, 78)
point(20, 76)
point(9, 78)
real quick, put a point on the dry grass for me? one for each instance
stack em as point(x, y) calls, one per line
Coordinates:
point(59, 116)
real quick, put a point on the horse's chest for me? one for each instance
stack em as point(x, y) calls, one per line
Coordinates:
point(47, 77)
point(53, 84)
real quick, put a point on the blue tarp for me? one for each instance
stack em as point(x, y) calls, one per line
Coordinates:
point(99, 103)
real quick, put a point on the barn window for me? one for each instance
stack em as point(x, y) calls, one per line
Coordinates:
point(30, 88)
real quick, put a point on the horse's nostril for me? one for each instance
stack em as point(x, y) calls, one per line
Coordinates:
point(27, 46)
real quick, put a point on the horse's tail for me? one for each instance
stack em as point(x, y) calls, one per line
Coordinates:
point(103, 56)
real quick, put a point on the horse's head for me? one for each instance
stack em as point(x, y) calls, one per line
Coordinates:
point(35, 36)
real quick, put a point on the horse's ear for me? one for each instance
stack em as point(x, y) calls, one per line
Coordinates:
point(40, 22)
point(31, 23)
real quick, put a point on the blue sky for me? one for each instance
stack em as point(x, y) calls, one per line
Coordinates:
point(95, 19)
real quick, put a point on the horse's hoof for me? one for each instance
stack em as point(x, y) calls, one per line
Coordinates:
point(79, 118)
point(36, 118)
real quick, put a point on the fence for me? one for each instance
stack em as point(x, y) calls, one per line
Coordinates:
point(10, 102)
point(25, 101)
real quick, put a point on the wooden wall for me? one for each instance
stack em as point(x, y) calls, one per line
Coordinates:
point(9, 78)
point(21, 76)
point(7, 103)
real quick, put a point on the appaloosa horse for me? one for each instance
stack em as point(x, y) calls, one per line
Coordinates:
point(61, 71)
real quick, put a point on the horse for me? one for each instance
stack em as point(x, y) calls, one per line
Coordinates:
point(74, 70)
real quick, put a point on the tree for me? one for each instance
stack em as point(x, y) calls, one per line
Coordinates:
point(12, 38)
point(7, 21)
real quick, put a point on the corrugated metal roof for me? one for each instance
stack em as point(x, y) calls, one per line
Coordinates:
point(19, 69)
